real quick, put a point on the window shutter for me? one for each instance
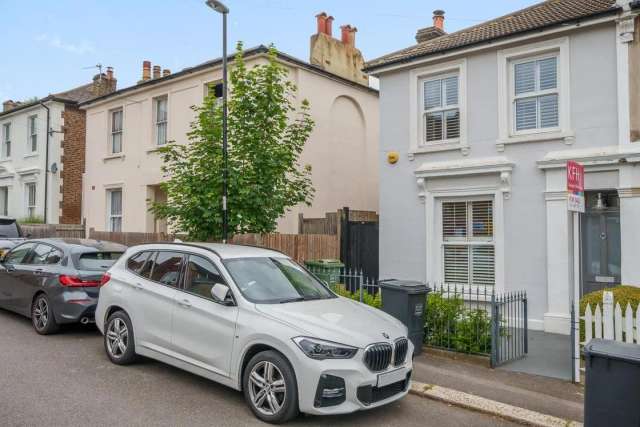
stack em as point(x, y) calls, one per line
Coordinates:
point(483, 265)
point(549, 116)
point(548, 73)
point(432, 94)
point(482, 218)
point(434, 126)
point(525, 77)
point(456, 264)
point(454, 219)
point(526, 113)
point(452, 121)
point(451, 90)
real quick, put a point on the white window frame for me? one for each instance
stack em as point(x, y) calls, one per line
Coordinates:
point(109, 215)
point(468, 241)
point(507, 58)
point(417, 77)
point(32, 133)
point(113, 133)
point(6, 141)
point(442, 109)
point(31, 209)
point(157, 122)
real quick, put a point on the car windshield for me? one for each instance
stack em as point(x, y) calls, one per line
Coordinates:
point(97, 260)
point(9, 229)
point(275, 280)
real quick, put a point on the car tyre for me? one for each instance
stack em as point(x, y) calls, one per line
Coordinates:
point(119, 342)
point(270, 387)
point(43, 318)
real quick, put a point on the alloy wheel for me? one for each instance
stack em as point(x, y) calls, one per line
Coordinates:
point(267, 388)
point(41, 313)
point(117, 337)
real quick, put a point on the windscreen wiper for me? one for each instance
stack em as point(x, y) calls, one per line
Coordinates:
point(296, 299)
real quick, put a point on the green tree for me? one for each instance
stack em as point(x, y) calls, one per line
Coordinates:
point(267, 130)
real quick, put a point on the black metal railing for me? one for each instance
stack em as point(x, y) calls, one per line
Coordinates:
point(509, 333)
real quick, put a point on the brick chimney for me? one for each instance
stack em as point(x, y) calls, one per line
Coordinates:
point(437, 30)
point(9, 105)
point(104, 83)
point(339, 57)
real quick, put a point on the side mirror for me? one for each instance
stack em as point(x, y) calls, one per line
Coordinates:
point(221, 294)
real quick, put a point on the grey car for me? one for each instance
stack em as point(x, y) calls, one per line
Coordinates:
point(10, 234)
point(55, 281)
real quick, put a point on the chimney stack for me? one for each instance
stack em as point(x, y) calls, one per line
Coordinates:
point(146, 70)
point(438, 19)
point(166, 72)
point(104, 83)
point(156, 71)
point(9, 105)
point(349, 35)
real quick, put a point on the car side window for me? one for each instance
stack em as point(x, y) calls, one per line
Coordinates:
point(136, 262)
point(166, 268)
point(45, 255)
point(19, 254)
point(200, 276)
point(146, 269)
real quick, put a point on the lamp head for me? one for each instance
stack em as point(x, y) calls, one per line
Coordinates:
point(218, 6)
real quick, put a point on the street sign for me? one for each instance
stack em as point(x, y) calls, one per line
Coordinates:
point(575, 186)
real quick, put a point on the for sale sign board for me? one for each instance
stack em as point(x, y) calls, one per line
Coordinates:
point(575, 186)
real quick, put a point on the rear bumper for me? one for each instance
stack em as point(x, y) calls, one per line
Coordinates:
point(75, 306)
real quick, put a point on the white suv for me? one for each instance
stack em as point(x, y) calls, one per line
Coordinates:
point(254, 320)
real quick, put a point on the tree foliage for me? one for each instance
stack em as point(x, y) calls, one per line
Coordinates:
point(267, 130)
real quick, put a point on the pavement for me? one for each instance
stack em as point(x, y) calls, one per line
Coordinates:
point(549, 355)
point(67, 380)
point(544, 395)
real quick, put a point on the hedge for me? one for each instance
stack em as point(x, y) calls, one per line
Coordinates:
point(621, 294)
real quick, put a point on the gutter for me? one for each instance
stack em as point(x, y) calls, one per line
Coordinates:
point(46, 160)
point(488, 42)
point(36, 103)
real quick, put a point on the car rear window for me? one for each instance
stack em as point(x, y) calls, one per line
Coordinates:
point(97, 260)
point(9, 229)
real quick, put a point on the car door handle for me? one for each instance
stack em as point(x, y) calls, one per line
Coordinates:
point(139, 286)
point(185, 303)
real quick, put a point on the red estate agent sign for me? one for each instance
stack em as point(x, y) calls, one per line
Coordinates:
point(575, 186)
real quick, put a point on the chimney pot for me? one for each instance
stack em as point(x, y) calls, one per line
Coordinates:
point(328, 26)
point(146, 70)
point(9, 105)
point(109, 73)
point(156, 71)
point(349, 35)
point(166, 72)
point(438, 19)
point(321, 19)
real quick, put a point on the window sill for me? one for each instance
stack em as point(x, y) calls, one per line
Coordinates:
point(6, 159)
point(113, 157)
point(566, 137)
point(26, 156)
point(435, 148)
point(155, 149)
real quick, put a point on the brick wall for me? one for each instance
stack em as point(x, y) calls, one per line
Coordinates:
point(73, 147)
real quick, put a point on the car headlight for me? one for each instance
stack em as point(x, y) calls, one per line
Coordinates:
point(321, 350)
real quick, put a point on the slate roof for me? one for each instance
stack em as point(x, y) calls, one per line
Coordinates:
point(539, 16)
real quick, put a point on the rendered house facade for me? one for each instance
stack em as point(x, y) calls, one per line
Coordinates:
point(484, 120)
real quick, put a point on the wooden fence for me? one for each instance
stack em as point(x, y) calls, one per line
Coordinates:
point(330, 224)
point(609, 322)
point(39, 231)
point(300, 247)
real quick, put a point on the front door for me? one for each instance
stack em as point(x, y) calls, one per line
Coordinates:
point(601, 241)
point(203, 330)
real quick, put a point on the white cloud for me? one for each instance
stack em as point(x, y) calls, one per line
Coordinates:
point(80, 48)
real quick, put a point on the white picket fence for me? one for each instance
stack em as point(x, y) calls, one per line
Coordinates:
point(610, 323)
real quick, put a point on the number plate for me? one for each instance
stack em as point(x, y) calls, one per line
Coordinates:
point(392, 377)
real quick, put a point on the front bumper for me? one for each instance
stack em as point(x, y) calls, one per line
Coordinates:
point(74, 306)
point(360, 384)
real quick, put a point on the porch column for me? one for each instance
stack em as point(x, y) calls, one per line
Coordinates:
point(559, 264)
point(630, 235)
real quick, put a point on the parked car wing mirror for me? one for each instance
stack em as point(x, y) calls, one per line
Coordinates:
point(221, 293)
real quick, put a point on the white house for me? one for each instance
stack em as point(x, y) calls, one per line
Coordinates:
point(42, 154)
point(484, 120)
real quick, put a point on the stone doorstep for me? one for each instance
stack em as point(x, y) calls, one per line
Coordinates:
point(487, 406)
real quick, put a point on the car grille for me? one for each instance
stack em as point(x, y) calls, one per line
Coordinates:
point(370, 394)
point(377, 357)
point(400, 354)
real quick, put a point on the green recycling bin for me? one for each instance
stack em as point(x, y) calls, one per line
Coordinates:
point(327, 270)
point(406, 300)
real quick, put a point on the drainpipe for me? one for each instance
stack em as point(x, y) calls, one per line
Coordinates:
point(46, 160)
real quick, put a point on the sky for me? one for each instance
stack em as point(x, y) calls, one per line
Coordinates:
point(53, 45)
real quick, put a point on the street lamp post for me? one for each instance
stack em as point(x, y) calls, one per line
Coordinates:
point(222, 9)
